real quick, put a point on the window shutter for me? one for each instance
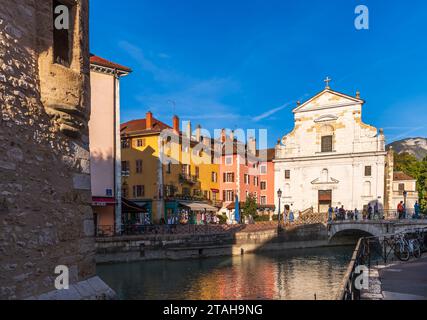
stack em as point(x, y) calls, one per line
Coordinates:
point(327, 144)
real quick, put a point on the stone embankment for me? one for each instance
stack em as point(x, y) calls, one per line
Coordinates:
point(184, 246)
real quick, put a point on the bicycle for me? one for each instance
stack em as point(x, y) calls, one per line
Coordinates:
point(405, 248)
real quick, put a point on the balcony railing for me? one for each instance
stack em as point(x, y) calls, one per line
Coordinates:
point(188, 178)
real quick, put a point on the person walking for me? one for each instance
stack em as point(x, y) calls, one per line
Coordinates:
point(291, 216)
point(336, 213)
point(330, 213)
point(369, 212)
point(376, 211)
point(342, 213)
point(417, 210)
point(400, 210)
point(356, 214)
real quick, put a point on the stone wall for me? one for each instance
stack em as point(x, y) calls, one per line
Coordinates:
point(45, 214)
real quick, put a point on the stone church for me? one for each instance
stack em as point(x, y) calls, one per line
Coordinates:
point(331, 157)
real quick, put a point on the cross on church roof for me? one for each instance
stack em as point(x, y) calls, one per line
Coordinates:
point(327, 80)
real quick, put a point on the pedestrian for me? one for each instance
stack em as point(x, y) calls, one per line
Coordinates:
point(342, 213)
point(291, 216)
point(356, 214)
point(336, 213)
point(400, 209)
point(376, 211)
point(330, 213)
point(369, 212)
point(417, 210)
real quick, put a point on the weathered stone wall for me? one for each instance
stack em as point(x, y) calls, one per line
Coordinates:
point(45, 214)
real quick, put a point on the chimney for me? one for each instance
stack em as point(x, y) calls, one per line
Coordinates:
point(175, 124)
point(188, 132)
point(199, 133)
point(223, 136)
point(149, 120)
point(252, 146)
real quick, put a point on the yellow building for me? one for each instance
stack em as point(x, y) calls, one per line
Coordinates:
point(169, 173)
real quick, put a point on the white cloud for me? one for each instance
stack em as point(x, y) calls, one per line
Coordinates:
point(271, 112)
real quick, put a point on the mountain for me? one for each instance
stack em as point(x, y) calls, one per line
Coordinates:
point(414, 146)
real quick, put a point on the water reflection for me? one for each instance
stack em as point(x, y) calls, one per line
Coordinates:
point(296, 274)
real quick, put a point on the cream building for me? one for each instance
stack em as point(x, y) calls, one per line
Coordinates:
point(404, 184)
point(331, 157)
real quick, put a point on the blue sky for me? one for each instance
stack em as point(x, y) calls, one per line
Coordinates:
point(244, 64)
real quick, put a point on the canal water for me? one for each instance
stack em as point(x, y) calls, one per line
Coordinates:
point(290, 275)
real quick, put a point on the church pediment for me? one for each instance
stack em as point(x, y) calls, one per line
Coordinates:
point(328, 117)
point(329, 181)
point(328, 99)
point(325, 178)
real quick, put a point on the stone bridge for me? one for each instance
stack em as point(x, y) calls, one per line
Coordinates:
point(374, 228)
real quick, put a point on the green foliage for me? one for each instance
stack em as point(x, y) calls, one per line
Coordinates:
point(263, 218)
point(222, 218)
point(417, 169)
point(250, 207)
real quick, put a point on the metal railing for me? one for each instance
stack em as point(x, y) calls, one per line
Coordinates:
point(182, 229)
point(409, 214)
point(373, 251)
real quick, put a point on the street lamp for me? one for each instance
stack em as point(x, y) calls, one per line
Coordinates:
point(405, 195)
point(279, 195)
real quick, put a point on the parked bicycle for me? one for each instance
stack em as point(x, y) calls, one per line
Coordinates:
point(405, 247)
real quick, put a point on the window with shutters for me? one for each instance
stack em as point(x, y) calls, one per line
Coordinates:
point(327, 144)
point(228, 195)
point(263, 200)
point(263, 185)
point(138, 191)
point(228, 177)
point(140, 143)
point(138, 166)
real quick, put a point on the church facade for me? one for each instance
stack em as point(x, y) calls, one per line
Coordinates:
point(331, 157)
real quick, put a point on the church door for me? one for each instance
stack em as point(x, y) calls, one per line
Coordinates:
point(325, 200)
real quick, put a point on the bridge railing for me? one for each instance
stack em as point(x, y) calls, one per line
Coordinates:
point(372, 251)
point(409, 214)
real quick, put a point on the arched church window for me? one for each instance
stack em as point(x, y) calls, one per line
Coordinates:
point(327, 137)
point(287, 191)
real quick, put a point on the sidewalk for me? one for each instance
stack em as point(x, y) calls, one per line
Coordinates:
point(400, 281)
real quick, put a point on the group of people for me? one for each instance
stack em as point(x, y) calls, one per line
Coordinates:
point(403, 213)
point(372, 212)
point(288, 215)
point(341, 214)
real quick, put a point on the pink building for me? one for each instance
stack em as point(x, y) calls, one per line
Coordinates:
point(104, 140)
point(245, 171)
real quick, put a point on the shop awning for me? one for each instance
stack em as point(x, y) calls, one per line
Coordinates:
point(131, 207)
point(102, 201)
point(198, 206)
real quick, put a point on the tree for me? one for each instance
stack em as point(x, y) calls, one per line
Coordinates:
point(250, 207)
